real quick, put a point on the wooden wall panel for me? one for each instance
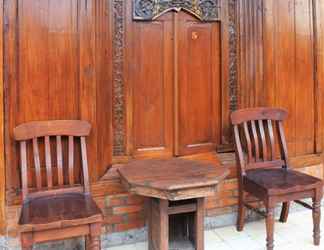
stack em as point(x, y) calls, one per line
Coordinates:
point(319, 76)
point(152, 87)
point(277, 65)
point(57, 67)
point(289, 74)
point(2, 121)
point(199, 85)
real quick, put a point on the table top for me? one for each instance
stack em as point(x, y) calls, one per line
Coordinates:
point(172, 179)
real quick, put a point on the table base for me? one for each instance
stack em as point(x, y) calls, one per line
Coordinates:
point(158, 212)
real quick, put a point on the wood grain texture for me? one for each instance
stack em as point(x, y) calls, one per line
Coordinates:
point(199, 83)
point(37, 131)
point(280, 45)
point(173, 179)
point(271, 181)
point(2, 127)
point(57, 67)
point(57, 205)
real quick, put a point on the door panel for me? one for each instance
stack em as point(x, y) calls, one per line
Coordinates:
point(152, 87)
point(198, 85)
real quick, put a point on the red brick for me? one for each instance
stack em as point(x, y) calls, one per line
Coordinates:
point(116, 200)
point(127, 226)
point(114, 219)
point(135, 200)
point(127, 209)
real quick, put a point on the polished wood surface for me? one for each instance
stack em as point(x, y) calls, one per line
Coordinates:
point(55, 204)
point(58, 211)
point(2, 131)
point(257, 131)
point(281, 48)
point(51, 132)
point(57, 57)
point(199, 82)
point(51, 128)
point(173, 186)
point(152, 104)
point(164, 121)
point(172, 179)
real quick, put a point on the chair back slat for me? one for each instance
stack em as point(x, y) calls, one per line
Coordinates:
point(85, 165)
point(282, 142)
point(271, 139)
point(257, 123)
point(48, 160)
point(71, 160)
point(24, 173)
point(43, 135)
point(248, 141)
point(263, 139)
point(238, 146)
point(256, 141)
point(59, 155)
point(37, 164)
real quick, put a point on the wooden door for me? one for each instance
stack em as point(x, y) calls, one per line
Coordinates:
point(198, 85)
point(152, 87)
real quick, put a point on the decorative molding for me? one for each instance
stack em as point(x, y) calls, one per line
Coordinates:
point(233, 56)
point(205, 10)
point(119, 120)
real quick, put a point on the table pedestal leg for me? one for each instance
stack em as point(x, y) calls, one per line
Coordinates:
point(158, 224)
point(199, 224)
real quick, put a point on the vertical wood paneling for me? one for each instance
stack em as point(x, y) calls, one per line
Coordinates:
point(2, 121)
point(251, 53)
point(104, 87)
point(318, 11)
point(199, 85)
point(304, 71)
point(277, 64)
point(152, 88)
point(63, 48)
point(87, 73)
point(57, 67)
point(285, 66)
point(11, 77)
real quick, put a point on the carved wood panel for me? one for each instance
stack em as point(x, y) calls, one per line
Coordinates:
point(205, 10)
point(199, 77)
point(119, 35)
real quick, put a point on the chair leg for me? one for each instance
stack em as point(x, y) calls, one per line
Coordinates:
point(95, 232)
point(26, 241)
point(270, 227)
point(284, 212)
point(316, 221)
point(87, 240)
point(241, 212)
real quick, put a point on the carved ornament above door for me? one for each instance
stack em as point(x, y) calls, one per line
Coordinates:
point(205, 10)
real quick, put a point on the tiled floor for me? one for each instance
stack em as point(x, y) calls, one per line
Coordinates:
point(296, 234)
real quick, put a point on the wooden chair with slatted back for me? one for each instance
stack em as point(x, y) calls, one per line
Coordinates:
point(56, 207)
point(264, 171)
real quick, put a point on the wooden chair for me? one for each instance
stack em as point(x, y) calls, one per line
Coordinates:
point(264, 175)
point(56, 207)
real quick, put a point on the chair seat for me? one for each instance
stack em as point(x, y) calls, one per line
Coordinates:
point(58, 212)
point(280, 181)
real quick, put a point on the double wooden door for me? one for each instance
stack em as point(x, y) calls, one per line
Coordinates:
point(174, 92)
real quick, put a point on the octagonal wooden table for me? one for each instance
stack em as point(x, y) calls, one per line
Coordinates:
point(173, 186)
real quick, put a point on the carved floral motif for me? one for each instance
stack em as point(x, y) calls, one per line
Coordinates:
point(233, 86)
point(119, 121)
point(205, 10)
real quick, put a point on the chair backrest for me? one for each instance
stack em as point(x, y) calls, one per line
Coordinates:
point(255, 130)
point(45, 138)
